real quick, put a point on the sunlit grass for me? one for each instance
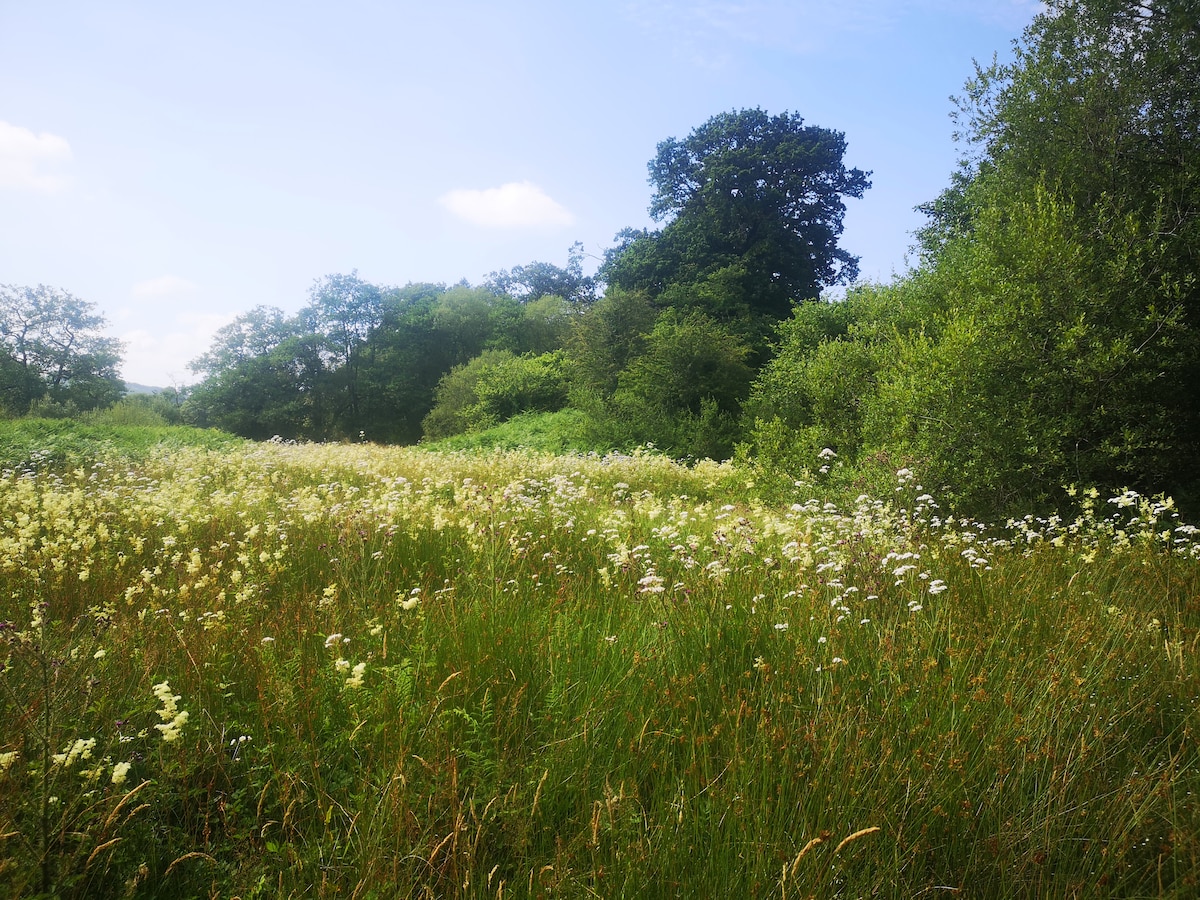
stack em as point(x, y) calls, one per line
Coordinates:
point(282, 670)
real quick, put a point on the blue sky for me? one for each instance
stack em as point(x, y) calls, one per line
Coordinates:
point(178, 164)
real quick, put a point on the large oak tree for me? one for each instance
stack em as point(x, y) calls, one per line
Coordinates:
point(753, 206)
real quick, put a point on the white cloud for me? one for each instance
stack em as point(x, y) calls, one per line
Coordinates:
point(164, 287)
point(24, 156)
point(516, 204)
point(160, 358)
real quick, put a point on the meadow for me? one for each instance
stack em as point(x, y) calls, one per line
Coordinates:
point(298, 670)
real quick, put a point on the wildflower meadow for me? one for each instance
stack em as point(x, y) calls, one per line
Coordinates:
point(303, 670)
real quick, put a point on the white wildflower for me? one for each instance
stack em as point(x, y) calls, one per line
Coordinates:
point(81, 749)
point(356, 676)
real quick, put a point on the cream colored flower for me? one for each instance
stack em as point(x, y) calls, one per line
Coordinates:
point(356, 676)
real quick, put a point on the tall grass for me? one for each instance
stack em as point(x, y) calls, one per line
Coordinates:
point(277, 670)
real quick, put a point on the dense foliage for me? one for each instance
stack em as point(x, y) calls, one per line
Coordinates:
point(754, 205)
point(1051, 335)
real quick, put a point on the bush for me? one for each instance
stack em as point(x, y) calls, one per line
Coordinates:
point(684, 392)
point(494, 387)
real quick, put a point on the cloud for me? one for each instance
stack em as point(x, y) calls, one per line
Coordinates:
point(512, 205)
point(163, 288)
point(24, 155)
point(160, 357)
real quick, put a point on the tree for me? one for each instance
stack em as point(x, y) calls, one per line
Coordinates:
point(684, 391)
point(282, 391)
point(252, 334)
point(604, 339)
point(266, 374)
point(1099, 105)
point(539, 279)
point(51, 347)
point(1066, 254)
point(757, 195)
point(816, 391)
point(345, 310)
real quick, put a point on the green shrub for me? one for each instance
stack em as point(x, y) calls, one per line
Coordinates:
point(683, 392)
point(494, 387)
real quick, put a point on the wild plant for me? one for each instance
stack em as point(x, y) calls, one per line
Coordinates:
point(447, 674)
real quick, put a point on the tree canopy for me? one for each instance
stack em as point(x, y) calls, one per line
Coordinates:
point(1056, 335)
point(758, 200)
point(51, 348)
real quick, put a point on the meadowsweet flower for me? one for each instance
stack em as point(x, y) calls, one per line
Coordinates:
point(7, 760)
point(171, 730)
point(120, 772)
point(356, 676)
point(333, 640)
point(93, 774)
point(81, 749)
point(99, 654)
point(173, 718)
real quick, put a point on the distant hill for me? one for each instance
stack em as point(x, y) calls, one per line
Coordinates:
point(132, 388)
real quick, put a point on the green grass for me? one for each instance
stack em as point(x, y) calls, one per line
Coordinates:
point(582, 676)
point(59, 444)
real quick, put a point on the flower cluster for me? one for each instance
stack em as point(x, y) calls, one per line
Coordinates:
point(173, 718)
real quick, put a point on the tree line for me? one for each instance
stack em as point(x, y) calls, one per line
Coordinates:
point(660, 346)
point(1046, 336)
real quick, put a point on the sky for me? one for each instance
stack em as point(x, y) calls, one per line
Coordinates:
point(178, 164)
